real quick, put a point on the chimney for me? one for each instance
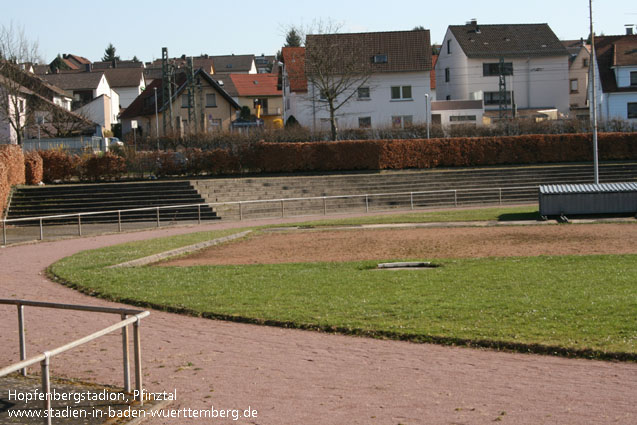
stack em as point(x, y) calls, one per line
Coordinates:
point(114, 63)
point(88, 67)
point(629, 29)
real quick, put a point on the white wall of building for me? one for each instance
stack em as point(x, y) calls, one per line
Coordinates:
point(541, 82)
point(379, 107)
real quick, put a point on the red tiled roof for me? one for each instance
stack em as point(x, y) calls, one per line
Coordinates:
point(256, 84)
point(294, 60)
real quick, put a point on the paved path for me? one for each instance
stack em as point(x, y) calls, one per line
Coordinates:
point(297, 377)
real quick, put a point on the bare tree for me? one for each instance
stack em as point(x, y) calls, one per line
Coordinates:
point(15, 51)
point(334, 69)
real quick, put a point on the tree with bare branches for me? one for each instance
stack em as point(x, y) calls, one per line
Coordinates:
point(333, 70)
point(15, 49)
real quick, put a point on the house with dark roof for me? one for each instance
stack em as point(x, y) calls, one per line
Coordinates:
point(616, 76)
point(260, 90)
point(396, 66)
point(92, 94)
point(208, 107)
point(127, 82)
point(528, 58)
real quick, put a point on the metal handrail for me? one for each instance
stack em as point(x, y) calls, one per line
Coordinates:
point(282, 201)
point(44, 358)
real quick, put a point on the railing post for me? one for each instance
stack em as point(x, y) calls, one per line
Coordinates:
point(4, 232)
point(41, 230)
point(324, 205)
point(500, 190)
point(366, 203)
point(455, 198)
point(46, 387)
point(240, 211)
point(138, 362)
point(158, 217)
point(199, 214)
point(126, 357)
point(282, 211)
point(119, 221)
point(79, 225)
point(411, 196)
point(23, 346)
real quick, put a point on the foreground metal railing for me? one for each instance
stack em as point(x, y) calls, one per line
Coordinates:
point(407, 199)
point(45, 358)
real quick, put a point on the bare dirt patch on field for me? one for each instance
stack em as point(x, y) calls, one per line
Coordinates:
point(419, 243)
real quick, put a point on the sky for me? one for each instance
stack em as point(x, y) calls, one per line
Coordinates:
point(141, 28)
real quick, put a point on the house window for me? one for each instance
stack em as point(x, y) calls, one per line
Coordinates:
point(585, 63)
point(447, 75)
point(574, 86)
point(21, 105)
point(632, 110)
point(633, 78)
point(365, 122)
point(460, 118)
point(184, 101)
point(448, 47)
point(363, 93)
point(493, 97)
point(402, 121)
point(493, 69)
point(211, 100)
point(380, 58)
point(401, 93)
point(448, 97)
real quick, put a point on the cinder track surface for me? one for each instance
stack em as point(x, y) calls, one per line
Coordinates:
point(299, 377)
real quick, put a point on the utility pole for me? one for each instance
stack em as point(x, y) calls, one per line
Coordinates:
point(593, 99)
point(167, 74)
point(502, 86)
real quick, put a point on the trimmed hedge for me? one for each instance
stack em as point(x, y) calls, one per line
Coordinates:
point(346, 155)
point(11, 171)
point(33, 168)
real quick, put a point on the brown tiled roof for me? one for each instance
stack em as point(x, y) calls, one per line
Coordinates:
point(294, 60)
point(75, 80)
point(509, 40)
point(142, 107)
point(625, 53)
point(256, 84)
point(74, 61)
point(123, 77)
point(611, 51)
point(406, 50)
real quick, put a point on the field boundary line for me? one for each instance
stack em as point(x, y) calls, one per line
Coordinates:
point(179, 251)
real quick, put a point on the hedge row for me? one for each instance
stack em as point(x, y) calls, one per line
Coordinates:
point(344, 155)
point(33, 168)
point(11, 171)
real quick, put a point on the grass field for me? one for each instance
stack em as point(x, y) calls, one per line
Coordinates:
point(568, 305)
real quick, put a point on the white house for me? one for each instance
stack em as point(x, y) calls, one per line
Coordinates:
point(85, 87)
point(11, 103)
point(396, 85)
point(532, 60)
point(578, 75)
point(616, 76)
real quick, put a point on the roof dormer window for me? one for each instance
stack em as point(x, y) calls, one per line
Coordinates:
point(380, 58)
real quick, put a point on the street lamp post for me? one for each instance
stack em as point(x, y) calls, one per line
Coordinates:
point(427, 112)
point(593, 95)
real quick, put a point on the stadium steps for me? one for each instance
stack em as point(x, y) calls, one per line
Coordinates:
point(82, 198)
point(306, 186)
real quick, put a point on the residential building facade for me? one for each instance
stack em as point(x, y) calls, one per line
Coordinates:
point(533, 62)
point(210, 108)
point(395, 69)
point(616, 76)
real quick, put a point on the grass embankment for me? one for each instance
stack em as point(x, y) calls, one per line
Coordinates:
point(570, 305)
